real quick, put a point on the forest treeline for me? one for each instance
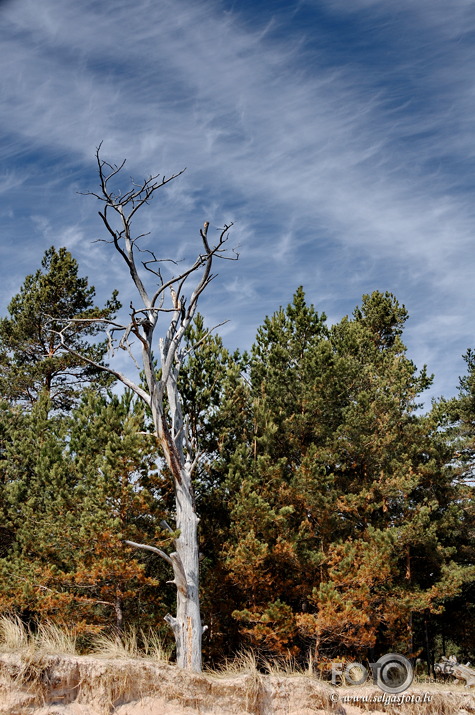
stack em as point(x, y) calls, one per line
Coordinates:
point(336, 517)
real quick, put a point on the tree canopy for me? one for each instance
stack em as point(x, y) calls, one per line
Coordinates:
point(31, 359)
point(336, 516)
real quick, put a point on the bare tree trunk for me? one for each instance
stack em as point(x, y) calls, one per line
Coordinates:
point(186, 625)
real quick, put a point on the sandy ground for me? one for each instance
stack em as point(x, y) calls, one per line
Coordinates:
point(83, 685)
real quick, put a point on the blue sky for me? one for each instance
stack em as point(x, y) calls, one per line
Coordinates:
point(338, 135)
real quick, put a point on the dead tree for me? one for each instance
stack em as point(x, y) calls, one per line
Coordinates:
point(165, 309)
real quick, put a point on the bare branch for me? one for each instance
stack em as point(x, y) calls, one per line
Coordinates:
point(120, 376)
point(206, 335)
point(146, 547)
point(166, 526)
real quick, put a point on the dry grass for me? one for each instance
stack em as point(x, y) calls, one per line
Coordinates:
point(14, 636)
point(248, 662)
point(116, 646)
point(244, 663)
point(286, 667)
point(55, 640)
point(51, 639)
point(31, 669)
point(48, 639)
point(154, 648)
point(131, 644)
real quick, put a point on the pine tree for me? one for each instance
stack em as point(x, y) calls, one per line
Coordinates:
point(454, 627)
point(266, 551)
point(281, 374)
point(73, 490)
point(343, 509)
point(31, 361)
point(459, 418)
point(119, 489)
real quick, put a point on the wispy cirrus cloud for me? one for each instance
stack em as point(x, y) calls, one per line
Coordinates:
point(343, 170)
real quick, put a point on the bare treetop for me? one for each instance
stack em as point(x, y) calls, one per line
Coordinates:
point(166, 294)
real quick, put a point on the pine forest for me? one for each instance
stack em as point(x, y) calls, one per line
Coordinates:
point(334, 514)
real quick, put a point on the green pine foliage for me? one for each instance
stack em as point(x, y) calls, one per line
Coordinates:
point(342, 510)
point(73, 491)
point(31, 357)
point(336, 518)
point(454, 629)
point(216, 399)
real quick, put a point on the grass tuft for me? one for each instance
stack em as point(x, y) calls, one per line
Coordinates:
point(245, 662)
point(49, 639)
point(14, 636)
point(123, 645)
point(284, 666)
point(52, 639)
point(132, 644)
point(154, 648)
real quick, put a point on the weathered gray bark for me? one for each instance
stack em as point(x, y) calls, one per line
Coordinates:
point(186, 625)
point(180, 452)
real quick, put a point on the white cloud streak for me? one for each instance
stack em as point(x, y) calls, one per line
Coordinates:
point(334, 180)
